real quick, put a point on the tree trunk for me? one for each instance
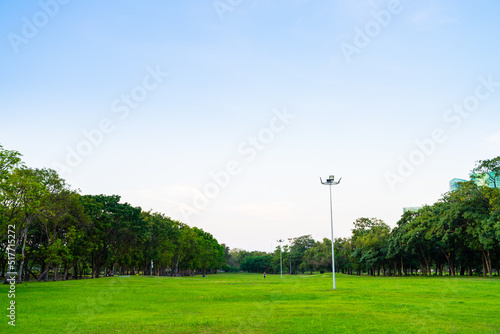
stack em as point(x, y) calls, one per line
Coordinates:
point(484, 266)
point(66, 272)
point(75, 270)
point(3, 266)
point(46, 279)
point(45, 273)
point(56, 271)
point(451, 268)
point(92, 264)
point(34, 276)
point(24, 236)
point(25, 274)
point(488, 262)
point(450, 263)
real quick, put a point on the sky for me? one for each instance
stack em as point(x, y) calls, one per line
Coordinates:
point(225, 114)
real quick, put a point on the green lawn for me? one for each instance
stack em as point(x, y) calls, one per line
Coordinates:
point(247, 303)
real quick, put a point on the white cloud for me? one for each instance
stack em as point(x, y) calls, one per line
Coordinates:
point(493, 140)
point(434, 14)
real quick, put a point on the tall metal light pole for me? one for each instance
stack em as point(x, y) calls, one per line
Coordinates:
point(281, 259)
point(331, 182)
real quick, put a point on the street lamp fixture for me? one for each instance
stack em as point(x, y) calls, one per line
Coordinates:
point(331, 182)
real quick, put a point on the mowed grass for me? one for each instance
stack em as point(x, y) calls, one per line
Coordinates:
point(248, 303)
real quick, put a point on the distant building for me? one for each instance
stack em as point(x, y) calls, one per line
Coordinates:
point(455, 183)
point(482, 179)
point(412, 209)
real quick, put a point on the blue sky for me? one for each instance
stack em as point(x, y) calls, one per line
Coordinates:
point(70, 67)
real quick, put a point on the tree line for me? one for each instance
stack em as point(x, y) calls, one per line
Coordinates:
point(61, 234)
point(57, 232)
point(457, 235)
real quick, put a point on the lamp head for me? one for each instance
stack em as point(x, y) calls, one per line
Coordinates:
point(330, 181)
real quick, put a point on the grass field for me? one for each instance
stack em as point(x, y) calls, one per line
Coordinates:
point(247, 303)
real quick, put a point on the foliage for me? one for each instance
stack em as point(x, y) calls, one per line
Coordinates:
point(63, 234)
point(491, 168)
point(257, 263)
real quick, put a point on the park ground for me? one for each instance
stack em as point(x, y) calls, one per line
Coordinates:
point(248, 303)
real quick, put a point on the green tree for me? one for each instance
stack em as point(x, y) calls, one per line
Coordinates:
point(399, 248)
point(343, 252)
point(491, 168)
point(161, 231)
point(470, 213)
point(22, 205)
point(318, 257)
point(10, 161)
point(257, 263)
point(370, 237)
point(298, 249)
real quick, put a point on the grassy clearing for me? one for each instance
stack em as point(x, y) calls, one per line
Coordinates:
point(247, 303)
